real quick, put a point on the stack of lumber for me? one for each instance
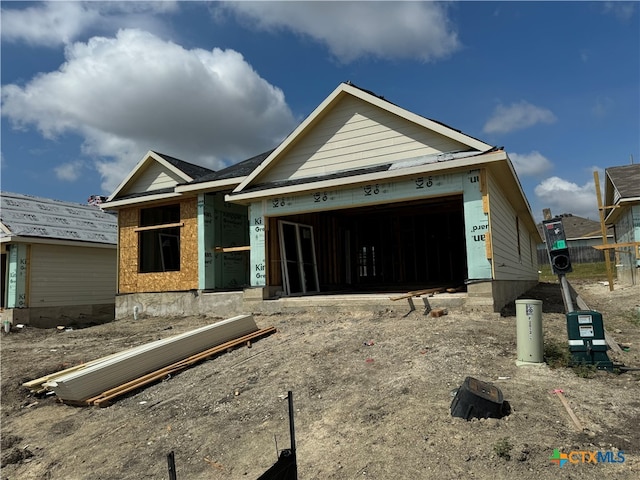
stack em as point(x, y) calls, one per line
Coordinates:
point(80, 383)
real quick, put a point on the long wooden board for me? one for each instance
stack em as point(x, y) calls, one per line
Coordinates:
point(418, 293)
point(105, 398)
point(133, 363)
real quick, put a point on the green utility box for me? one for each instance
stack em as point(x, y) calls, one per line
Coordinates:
point(586, 339)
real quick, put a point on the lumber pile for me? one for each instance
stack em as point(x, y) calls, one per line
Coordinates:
point(100, 379)
point(418, 293)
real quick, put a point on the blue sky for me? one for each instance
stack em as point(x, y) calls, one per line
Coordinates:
point(89, 87)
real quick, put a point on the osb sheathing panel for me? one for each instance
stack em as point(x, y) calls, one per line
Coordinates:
point(130, 281)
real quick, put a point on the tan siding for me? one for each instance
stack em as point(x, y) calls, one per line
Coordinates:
point(354, 135)
point(131, 281)
point(154, 177)
point(67, 275)
point(508, 264)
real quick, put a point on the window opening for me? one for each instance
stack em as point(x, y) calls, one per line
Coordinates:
point(159, 239)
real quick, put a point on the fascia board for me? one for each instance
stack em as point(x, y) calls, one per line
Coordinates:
point(149, 156)
point(213, 185)
point(5, 229)
point(130, 176)
point(462, 163)
point(291, 137)
point(53, 241)
point(138, 200)
point(613, 215)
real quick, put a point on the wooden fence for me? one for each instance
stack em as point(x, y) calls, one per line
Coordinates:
point(581, 254)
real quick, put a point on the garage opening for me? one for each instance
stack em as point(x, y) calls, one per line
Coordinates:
point(393, 247)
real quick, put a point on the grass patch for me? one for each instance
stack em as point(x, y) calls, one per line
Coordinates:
point(634, 317)
point(590, 271)
point(502, 448)
point(556, 354)
point(585, 370)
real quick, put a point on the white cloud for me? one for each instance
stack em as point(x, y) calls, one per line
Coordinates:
point(135, 92)
point(389, 30)
point(563, 196)
point(530, 164)
point(621, 10)
point(602, 107)
point(69, 172)
point(55, 23)
point(516, 117)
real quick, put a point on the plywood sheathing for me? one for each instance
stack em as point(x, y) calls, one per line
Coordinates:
point(131, 281)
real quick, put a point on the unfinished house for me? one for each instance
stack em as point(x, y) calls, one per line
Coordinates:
point(622, 211)
point(179, 242)
point(363, 197)
point(58, 261)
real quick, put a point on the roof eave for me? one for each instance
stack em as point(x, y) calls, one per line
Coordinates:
point(111, 205)
point(213, 185)
point(462, 163)
point(56, 241)
point(613, 215)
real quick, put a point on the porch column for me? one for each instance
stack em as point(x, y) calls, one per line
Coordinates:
point(206, 268)
point(257, 232)
point(17, 276)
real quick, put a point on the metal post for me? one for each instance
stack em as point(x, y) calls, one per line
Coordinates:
point(566, 293)
point(292, 430)
point(172, 466)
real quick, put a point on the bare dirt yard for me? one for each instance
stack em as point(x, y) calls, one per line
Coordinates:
point(372, 395)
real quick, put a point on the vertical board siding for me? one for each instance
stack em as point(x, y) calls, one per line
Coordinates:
point(508, 265)
point(67, 275)
point(154, 177)
point(131, 281)
point(356, 134)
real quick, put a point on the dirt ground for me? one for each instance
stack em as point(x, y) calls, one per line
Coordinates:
point(372, 395)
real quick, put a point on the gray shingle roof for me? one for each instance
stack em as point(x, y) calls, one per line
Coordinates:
point(240, 169)
point(29, 216)
point(576, 227)
point(194, 171)
point(625, 179)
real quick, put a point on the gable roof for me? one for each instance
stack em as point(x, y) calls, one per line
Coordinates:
point(341, 93)
point(26, 216)
point(154, 178)
point(192, 170)
point(622, 186)
point(227, 177)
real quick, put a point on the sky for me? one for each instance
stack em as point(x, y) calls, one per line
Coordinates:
point(89, 87)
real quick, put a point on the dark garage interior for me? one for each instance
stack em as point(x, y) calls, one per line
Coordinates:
point(392, 247)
